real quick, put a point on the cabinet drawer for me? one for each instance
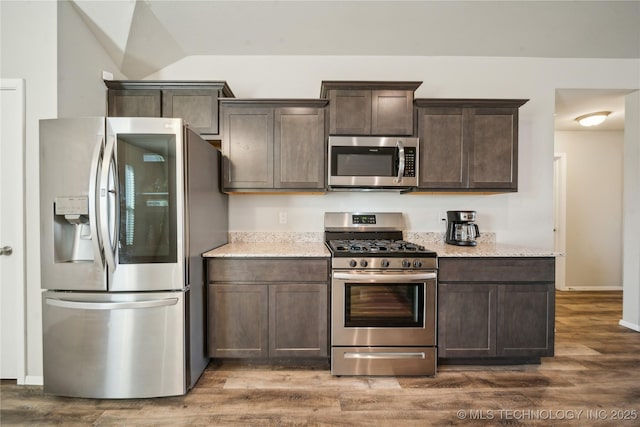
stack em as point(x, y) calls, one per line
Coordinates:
point(268, 270)
point(496, 270)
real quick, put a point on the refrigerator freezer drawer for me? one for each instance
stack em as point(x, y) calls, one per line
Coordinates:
point(114, 345)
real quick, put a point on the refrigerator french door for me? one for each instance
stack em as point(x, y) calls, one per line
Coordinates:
point(123, 312)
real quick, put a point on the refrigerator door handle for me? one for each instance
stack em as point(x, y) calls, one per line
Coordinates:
point(106, 213)
point(83, 305)
point(94, 220)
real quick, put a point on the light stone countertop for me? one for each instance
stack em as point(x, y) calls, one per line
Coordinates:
point(489, 250)
point(319, 250)
point(277, 244)
point(272, 249)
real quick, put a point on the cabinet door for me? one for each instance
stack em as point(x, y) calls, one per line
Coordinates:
point(199, 108)
point(526, 319)
point(443, 157)
point(466, 320)
point(238, 320)
point(134, 103)
point(298, 320)
point(299, 148)
point(391, 112)
point(493, 149)
point(350, 112)
point(247, 145)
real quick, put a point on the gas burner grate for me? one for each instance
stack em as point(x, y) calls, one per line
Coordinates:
point(358, 246)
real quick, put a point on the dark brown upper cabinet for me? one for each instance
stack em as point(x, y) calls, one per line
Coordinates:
point(468, 144)
point(370, 108)
point(194, 101)
point(273, 145)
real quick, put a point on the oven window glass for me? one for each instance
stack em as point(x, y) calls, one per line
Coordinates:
point(384, 305)
point(359, 161)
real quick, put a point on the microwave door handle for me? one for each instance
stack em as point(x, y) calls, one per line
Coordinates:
point(400, 161)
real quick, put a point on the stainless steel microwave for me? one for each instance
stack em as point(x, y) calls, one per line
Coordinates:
point(370, 162)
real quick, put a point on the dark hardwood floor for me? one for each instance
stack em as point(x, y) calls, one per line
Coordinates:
point(593, 380)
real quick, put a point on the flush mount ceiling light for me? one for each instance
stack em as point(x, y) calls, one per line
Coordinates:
point(593, 119)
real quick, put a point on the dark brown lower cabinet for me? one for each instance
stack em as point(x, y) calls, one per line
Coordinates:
point(298, 324)
point(496, 308)
point(466, 320)
point(238, 319)
point(526, 320)
point(268, 308)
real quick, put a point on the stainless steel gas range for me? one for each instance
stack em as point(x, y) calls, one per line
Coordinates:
point(383, 297)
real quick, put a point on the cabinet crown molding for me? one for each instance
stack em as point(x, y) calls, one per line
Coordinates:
point(274, 102)
point(171, 84)
point(469, 102)
point(328, 85)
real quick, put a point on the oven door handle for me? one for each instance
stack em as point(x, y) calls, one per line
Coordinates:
point(385, 355)
point(384, 277)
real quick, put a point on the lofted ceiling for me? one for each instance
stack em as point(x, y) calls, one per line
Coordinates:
point(144, 36)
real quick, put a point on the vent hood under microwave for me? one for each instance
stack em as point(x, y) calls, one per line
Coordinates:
point(370, 163)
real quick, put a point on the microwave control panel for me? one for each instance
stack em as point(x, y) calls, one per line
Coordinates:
point(409, 161)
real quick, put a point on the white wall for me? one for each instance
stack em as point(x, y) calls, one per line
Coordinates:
point(524, 217)
point(33, 58)
point(594, 208)
point(631, 221)
point(81, 60)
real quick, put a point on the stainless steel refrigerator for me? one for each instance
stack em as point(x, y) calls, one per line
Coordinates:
point(127, 207)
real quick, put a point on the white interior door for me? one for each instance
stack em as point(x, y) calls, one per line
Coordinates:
point(12, 234)
point(560, 216)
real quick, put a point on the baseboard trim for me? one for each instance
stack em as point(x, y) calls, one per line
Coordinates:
point(33, 380)
point(591, 288)
point(629, 325)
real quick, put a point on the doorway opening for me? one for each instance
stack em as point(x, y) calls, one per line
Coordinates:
point(588, 207)
point(588, 183)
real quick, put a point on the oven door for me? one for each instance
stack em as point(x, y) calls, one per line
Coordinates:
point(383, 308)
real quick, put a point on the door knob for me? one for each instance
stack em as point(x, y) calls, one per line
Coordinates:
point(6, 250)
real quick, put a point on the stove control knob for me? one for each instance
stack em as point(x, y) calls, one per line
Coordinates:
point(417, 263)
point(384, 263)
point(406, 263)
point(363, 263)
point(353, 263)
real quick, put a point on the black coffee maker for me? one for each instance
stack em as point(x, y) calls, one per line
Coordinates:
point(461, 229)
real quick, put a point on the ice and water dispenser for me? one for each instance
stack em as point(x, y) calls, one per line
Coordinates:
point(72, 231)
